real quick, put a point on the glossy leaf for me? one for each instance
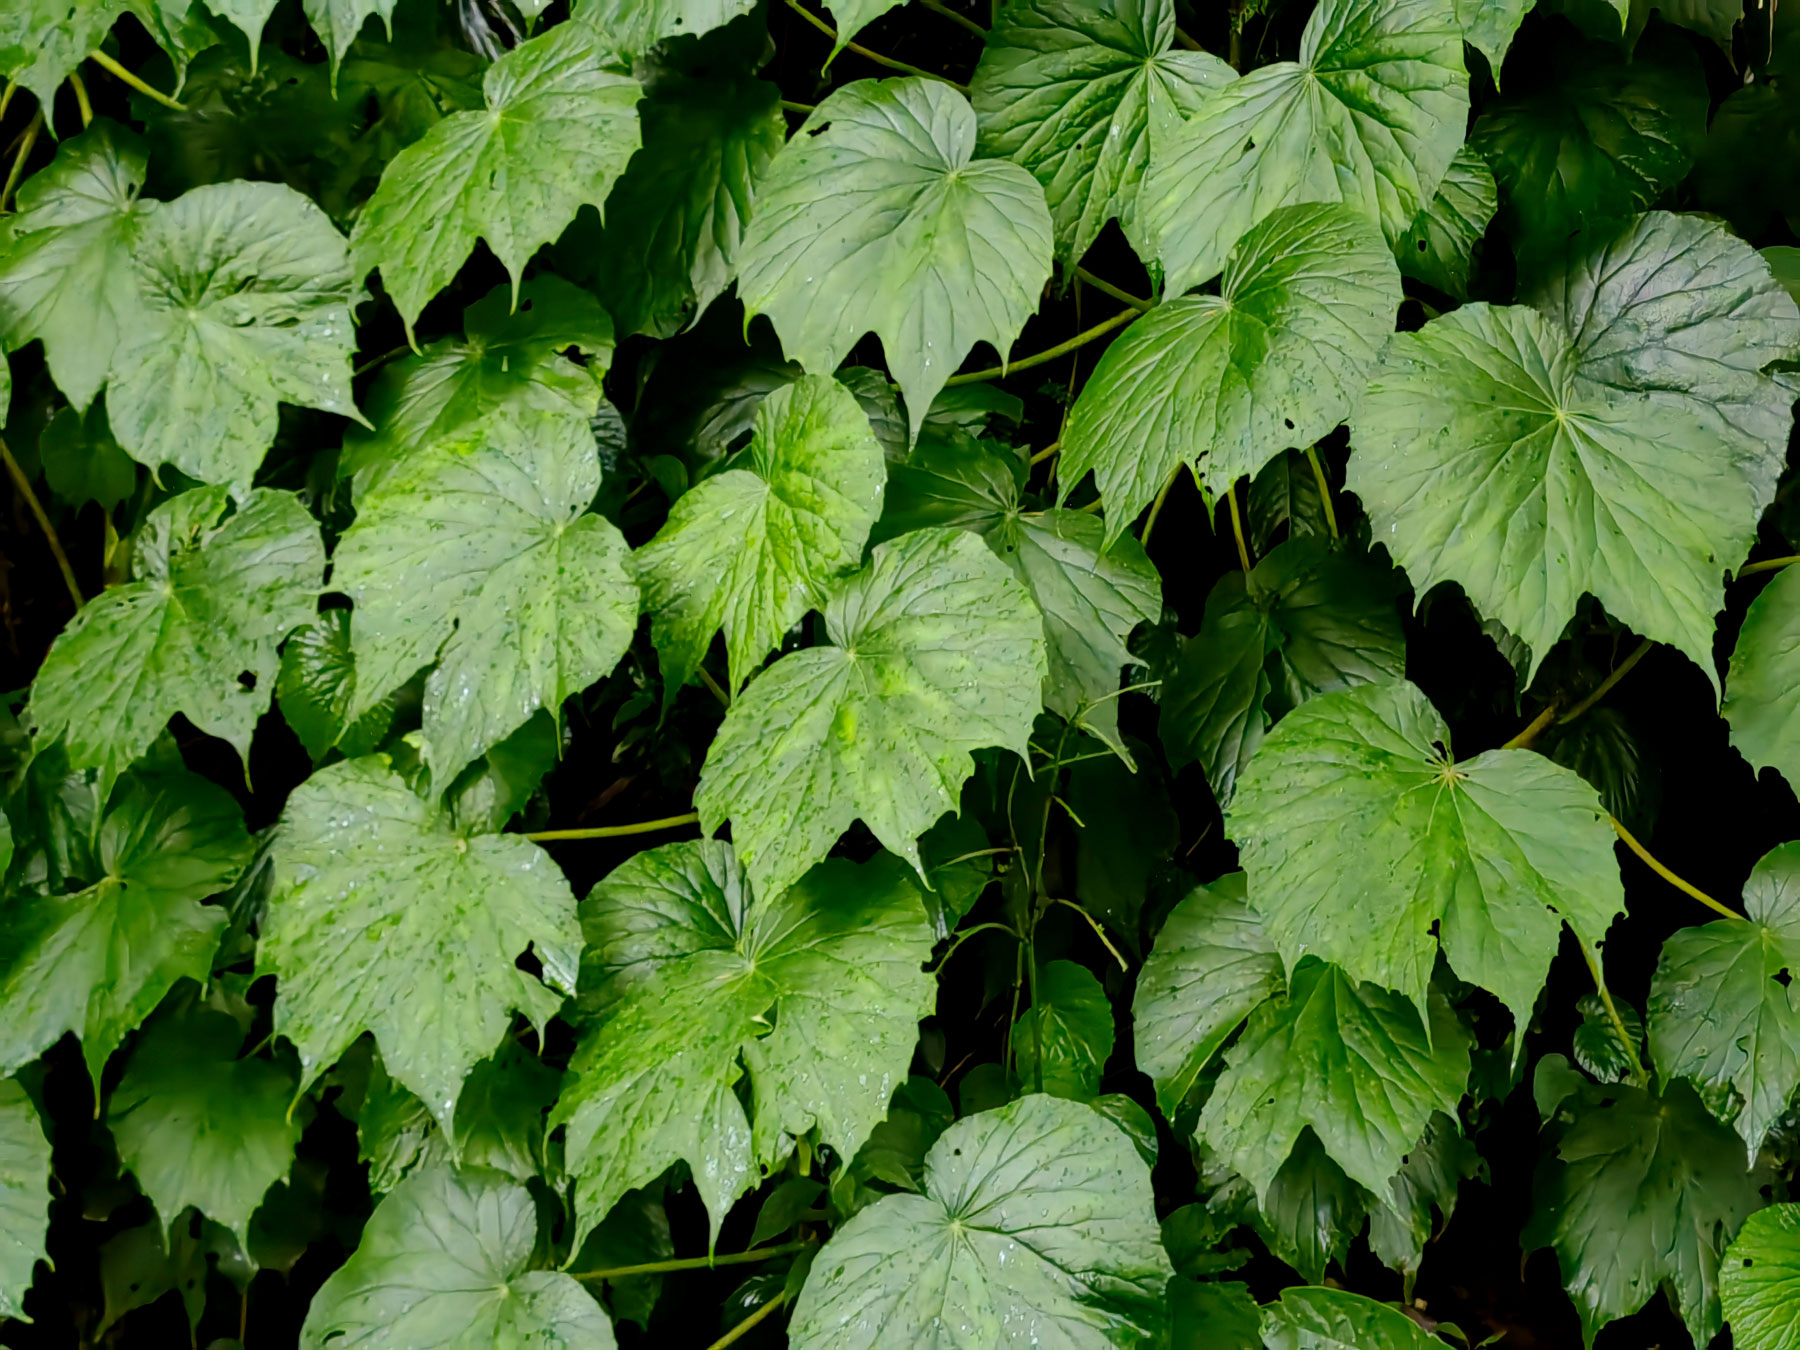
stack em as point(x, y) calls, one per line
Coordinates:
point(1759, 704)
point(1761, 1280)
point(1439, 248)
point(1336, 1319)
point(1062, 1042)
point(24, 1195)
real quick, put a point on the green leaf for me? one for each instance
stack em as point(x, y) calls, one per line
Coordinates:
point(1759, 704)
point(1036, 1221)
point(1422, 1196)
point(446, 1261)
point(1336, 1319)
point(1284, 492)
point(1722, 1007)
point(1129, 830)
point(1312, 1211)
point(1598, 1047)
point(316, 686)
point(82, 461)
point(633, 27)
point(1484, 456)
point(1225, 383)
point(894, 1152)
point(374, 897)
point(1594, 135)
point(1213, 1316)
point(1071, 1019)
point(1068, 90)
point(1371, 115)
point(24, 1196)
point(1489, 26)
point(1491, 854)
point(878, 196)
point(686, 971)
point(559, 127)
point(752, 549)
point(1675, 1171)
point(395, 1133)
point(338, 23)
point(676, 217)
point(1311, 617)
point(96, 962)
point(1439, 248)
point(1762, 1280)
point(1211, 967)
point(475, 553)
point(212, 599)
point(1351, 1061)
point(199, 1126)
point(510, 358)
point(43, 41)
point(936, 652)
point(852, 16)
point(1091, 595)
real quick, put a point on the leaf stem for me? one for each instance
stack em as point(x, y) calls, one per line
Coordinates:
point(1156, 509)
point(788, 105)
point(1184, 41)
point(1094, 924)
point(1237, 527)
point(1106, 287)
point(111, 66)
point(712, 684)
point(81, 100)
point(694, 1262)
point(1524, 739)
point(27, 139)
point(1081, 339)
point(616, 831)
point(1045, 453)
point(7, 95)
point(1605, 686)
point(1686, 886)
point(957, 939)
point(937, 7)
point(23, 484)
point(1312, 457)
point(868, 55)
point(744, 1327)
point(1633, 1055)
point(1768, 565)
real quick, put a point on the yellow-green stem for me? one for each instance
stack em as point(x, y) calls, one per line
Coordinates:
point(1046, 452)
point(1156, 509)
point(1687, 887)
point(1237, 527)
point(868, 55)
point(23, 484)
point(1605, 686)
point(1633, 1055)
point(119, 72)
point(693, 1262)
point(1312, 457)
point(745, 1327)
point(1081, 339)
point(1106, 287)
point(939, 8)
point(85, 108)
point(616, 831)
point(27, 139)
point(1531, 732)
point(1768, 565)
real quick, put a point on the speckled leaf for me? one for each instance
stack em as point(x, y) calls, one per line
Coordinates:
point(1072, 1022)
point(1761, 1279)
point(1224, 383)
point(1371, 116)
point(478, 552)
point(1211, 967)
point(446, 1261)
point(97, 962)
point(633, 27)
point(1440, 246)
point(878, 197)
point(1484, 456)
point(1036, 1225)
point(936, 651)
point(685, 972)
point(1723, 1009)
point(1363, 837)
point(197, 1125)
point(374, 898)
point(1336, 1319)
point(43, 41)
point(559, 127)
point(752, 549)
point(1312, 616)
point(1765, 669)
point(24, 1196)
point(210, 602)
point(1068, 89)
point(316, 685)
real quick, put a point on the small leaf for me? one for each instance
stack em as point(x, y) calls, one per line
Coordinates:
point(1073, 1023)
point(316, 686)
point(24, 1196)
point(1336, 1319)
point(1439, 248)
point(1422, 1196)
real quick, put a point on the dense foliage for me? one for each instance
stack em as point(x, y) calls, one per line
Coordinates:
point(1062, 672)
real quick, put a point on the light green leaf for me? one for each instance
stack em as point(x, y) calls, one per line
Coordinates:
point(1211, 967)
point(1720, 1010)
point(1036, 1223)
point(338, 23)
point(316, 685)
point(1362, 836)
point(879, 196)
point(43, 41)
point(1664, 1163)
point(211, 601)
point(1225, 383)
point(633, 27)
point(24, 1196)
point(1312, 616)
point(1072, 1021)
point(1440, 246)
point(1336, 1319)
point(97, 962)
point(1489, 26)
point(199, 1126)
point(686, 972)
point(476, 552)
point(509, 358)
point(1762, 1281)
point(1068, 90)
point(374, 898)
point(852, 16)
point(752, 549)
point(936, 652)
point(445, 1261)
point(1765, 669)
point(559, 127)
point(1485, 457)
point(1351, 1061)
point(1371, 116)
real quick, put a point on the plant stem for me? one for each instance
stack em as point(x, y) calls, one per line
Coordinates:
point(937, 7)
point(694, 1262)
point(1046, 452)
point(790, 106)
point(1081, 339)
point(23, 484)
point(106, 63)
point(1768, 565)
point(1605, 686)
point(1524, 739)
point(1094, 924)
point(6, 96)
point(1632, 1054)
point(1312, 457)
point(1237, 527)
point(1668, 876)
point(1156, 509)
point(81, 100)
point(1107, 288)
point(957, 939)
point(744, 1327)
point(712, 684)
point(865, 53)
point(617, 831)
point(27, 139)
point(1184, 41)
